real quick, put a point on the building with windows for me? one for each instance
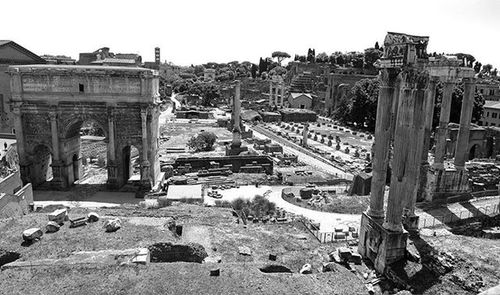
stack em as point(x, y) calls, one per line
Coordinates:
point(490, 89)
point(11, 53)
point(491, 114)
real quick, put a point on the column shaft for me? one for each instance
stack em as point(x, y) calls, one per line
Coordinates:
point(270, 93)
point(55, 138)
point(429, 114)
point(444, 119)
point(382, 142)
point(461, 150)
point(111, 136)
point(416, 145)
point(144, 115)
point(402, 138)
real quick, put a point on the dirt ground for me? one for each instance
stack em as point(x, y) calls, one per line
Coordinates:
point(215, 228)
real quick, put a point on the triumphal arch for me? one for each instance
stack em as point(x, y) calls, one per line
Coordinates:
point(51, 102)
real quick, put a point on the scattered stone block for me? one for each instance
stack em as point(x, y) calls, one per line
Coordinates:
point(212, 259)
point(329, 266)
point(92, 217)
point(355, 258)
point(78, 222)
point(59, 216)
point(272, 257)
point(52, 227)
point(112, 225)
point(32, 234)
point(306, 269)
point(142, 257)
point(215, 272)
point(344, 253)
point(244, 250)
point(355, 235)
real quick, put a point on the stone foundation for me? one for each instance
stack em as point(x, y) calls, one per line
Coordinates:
point(380, 245)
point(442, 184)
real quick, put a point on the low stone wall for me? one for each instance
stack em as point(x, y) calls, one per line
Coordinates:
point(13, 205)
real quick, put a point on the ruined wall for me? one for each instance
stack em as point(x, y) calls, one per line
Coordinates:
point(13, 205)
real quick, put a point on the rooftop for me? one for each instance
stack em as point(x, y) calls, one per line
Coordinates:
point(492, 104)
point(75, 68)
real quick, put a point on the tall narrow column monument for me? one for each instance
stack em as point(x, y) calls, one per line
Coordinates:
point(236, 148)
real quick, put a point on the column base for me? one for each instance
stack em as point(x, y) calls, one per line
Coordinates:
point(233, 150)
point(377, 215)
point(381, 246)
point(410, 223)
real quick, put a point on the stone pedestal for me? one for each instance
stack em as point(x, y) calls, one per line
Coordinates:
point(112, 182)
point(380, 245)
point(410, 223)
point(446, 183)
point(235, 150)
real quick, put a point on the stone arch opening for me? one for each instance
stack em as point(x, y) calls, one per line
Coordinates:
point(42, 165)
point(85, 152)
point(474, 151)
point(131, 165)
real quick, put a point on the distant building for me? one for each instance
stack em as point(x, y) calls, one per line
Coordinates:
point(491, 114)
point(59, 59)
point(104, 57)
point(490, 89)
point(11, 53)
point(300, 100)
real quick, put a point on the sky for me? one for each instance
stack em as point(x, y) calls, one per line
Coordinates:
point(198, 31)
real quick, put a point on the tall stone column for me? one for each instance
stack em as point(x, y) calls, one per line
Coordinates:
point(24, 165)
point(405, 154)
point(112, 165)
point(388, 78)
point(429, 114)
point(461, 150)
point(304, 135)
point(237, 116)
point(145, 162)
point(55, 138)
point(282, 88)
point(444, 119)
point(270, 94)
point(416, 146)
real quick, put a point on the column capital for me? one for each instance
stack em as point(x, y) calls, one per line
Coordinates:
point(52, 116)
point(388, 77)
point(414, 79)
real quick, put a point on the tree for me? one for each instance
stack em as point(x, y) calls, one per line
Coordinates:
point(494, 73)
point(371, 56)
point(477, 67)
point(280, 56)
point(254, 70)
point(322, 57)
point(204, 141)
point(377, 46)
point(364, 103)
point(487, 69)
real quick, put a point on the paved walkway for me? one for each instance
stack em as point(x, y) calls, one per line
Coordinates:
point(304, 155)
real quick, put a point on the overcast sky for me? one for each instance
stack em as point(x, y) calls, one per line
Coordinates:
point(198, 31)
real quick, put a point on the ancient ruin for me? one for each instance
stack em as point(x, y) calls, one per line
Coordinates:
point(51, 103)
point(404, 116)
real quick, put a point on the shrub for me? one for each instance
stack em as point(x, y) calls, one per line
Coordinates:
point(202, 142)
